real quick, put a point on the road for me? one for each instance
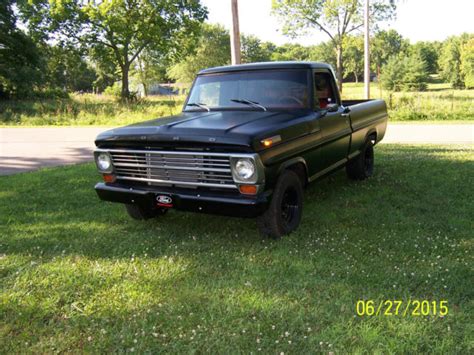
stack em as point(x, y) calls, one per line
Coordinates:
point(28, 149)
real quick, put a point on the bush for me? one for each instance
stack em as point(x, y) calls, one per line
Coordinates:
point(44, 94)
point(407, 73)
point(49, 94)
point(114, 90)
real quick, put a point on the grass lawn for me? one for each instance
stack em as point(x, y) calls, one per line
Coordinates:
point(86, 110)
point(438, 103)
point(79, 275)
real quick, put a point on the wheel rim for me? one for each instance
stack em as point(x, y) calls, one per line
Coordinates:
point(369, 161)
point(289, 206)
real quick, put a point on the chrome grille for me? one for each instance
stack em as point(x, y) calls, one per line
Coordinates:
point(182, 169)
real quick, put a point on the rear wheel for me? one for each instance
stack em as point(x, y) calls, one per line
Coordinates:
point(284, 213)
point(140, 213)
point(362, 167)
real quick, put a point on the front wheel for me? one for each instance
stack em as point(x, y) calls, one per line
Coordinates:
point(284, 213)
point(140, 213)
point(362, 166)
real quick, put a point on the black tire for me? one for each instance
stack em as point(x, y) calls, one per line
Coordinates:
point(286, 207)
point(362, 166)
point(141, 213)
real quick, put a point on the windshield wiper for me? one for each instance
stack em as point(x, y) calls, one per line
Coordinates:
point(198, 104)
point(249, 102)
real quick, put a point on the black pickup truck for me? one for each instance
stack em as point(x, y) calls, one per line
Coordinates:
point(249, 139)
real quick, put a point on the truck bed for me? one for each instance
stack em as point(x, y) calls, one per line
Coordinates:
point(367, 117)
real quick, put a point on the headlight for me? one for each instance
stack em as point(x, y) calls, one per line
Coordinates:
point(244, 169)
point(103, 162)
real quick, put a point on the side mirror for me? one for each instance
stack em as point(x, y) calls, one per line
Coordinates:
point(332, 107)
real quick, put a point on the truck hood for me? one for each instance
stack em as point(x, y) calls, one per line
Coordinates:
point(241, 128)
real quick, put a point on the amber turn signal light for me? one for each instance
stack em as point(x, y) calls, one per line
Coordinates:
point(267, 142)
point(108, 177)
point(248, 189)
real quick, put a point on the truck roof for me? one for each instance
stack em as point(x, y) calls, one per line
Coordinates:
point(267, 65)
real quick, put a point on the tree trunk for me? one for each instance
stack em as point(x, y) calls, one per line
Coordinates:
point(339, 66)
point(125, 94)
point(356, 77)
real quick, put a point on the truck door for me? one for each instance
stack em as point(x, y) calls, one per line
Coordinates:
point(334, 122)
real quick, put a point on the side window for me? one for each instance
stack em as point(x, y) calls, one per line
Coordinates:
point(323, 90)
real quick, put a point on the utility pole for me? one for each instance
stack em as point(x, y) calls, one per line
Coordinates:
point(367, 51)
point(235, 34)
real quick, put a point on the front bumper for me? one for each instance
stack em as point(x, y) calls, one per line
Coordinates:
point(193, 201)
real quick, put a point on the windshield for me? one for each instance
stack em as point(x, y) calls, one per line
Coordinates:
point(257, 89)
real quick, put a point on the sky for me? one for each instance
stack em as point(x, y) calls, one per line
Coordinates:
point(417, 20)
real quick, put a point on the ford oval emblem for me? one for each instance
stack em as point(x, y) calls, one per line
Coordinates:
point(164, 200)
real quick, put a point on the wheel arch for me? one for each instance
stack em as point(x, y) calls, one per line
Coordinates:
point(298, 165)
point(371, 135)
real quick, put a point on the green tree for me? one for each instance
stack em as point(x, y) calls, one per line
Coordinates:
point(125, 28)
point(402, 72)
point(336, 18)
point(213, 50)
point(450, 60)
point(353, 52)
point(68, 69)
point(290, 51)
point(323, 52)
point(384, 45)
point(21, 63)
point(467, 63)
point(429, 51)
point(253, 50)
point(150, 68)
point(270, 48)
point(105, 67)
